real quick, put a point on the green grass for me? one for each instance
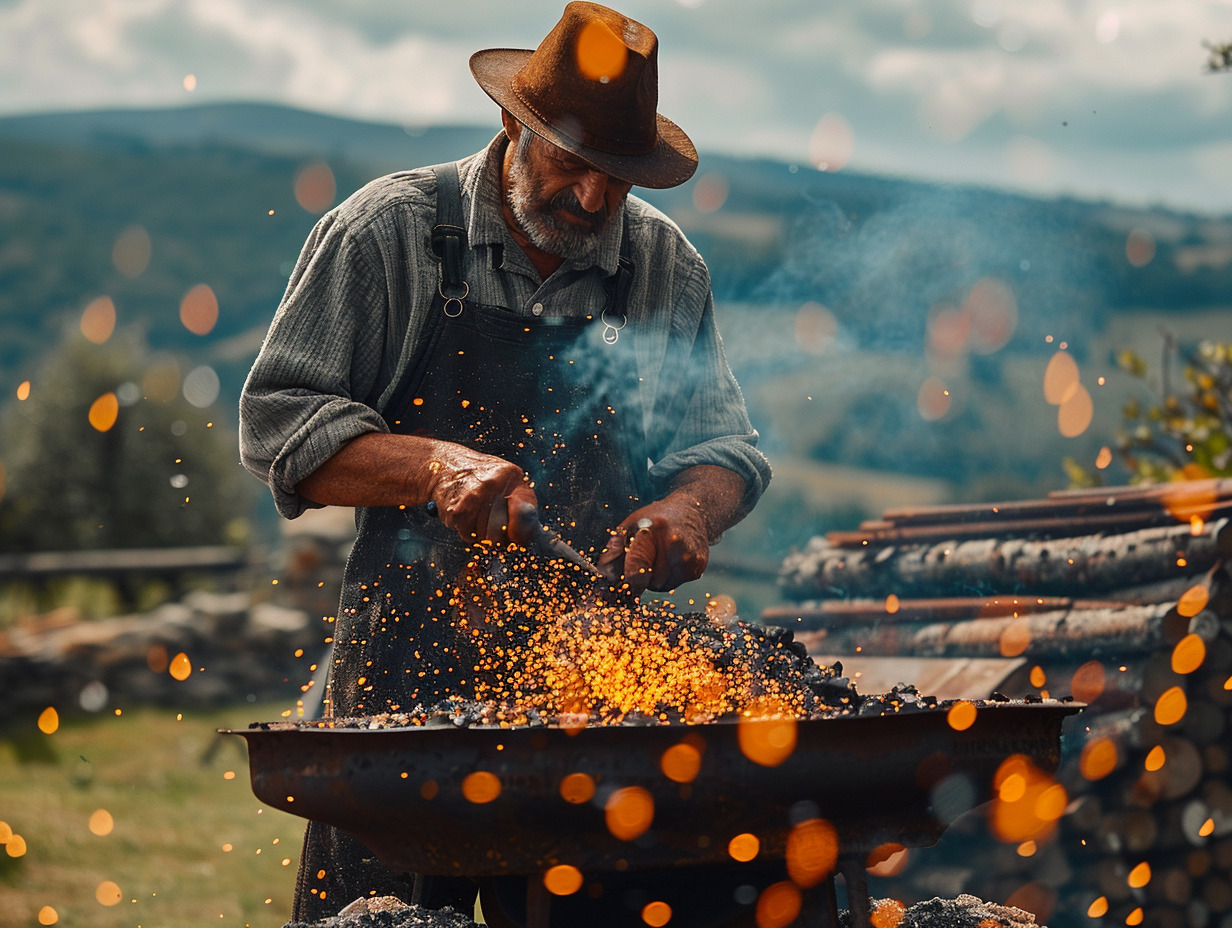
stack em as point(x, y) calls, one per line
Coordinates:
point(165, 782)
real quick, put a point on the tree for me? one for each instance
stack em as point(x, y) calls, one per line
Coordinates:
point(1186, 433)
point(104, 451)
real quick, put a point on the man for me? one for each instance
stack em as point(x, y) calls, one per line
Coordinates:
point(461, 342)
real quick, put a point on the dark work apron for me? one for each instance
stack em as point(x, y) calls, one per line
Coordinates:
point(556, 396)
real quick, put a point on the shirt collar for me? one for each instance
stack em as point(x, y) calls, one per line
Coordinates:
point(481, 196)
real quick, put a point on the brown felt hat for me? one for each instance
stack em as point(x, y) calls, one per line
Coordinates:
point(592, 88)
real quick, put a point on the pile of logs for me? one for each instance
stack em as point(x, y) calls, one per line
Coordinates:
point(1120, 597)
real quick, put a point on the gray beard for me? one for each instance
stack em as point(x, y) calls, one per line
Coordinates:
point(545, 232)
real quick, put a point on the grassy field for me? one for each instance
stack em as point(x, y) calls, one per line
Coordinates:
point(189, 843)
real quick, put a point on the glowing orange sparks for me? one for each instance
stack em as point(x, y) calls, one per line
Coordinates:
point(180, 667)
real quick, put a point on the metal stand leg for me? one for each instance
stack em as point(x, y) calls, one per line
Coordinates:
point(858, 903)
point(538, 902)
point(819, 907)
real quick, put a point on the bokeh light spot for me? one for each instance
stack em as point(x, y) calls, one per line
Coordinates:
point(887, 860)
point(887, 913)
point(1075, 414)
point(933, 400)
point(108, 893)
point(23, 391)
point(681, 763)
point(1135, 917)
point(104, 411)
point(816, 328)
point(98, 320)
point(1139, 876)
point(131, 252)
point(48, 916)
point(101, 823)
point(49, 720)
point(1188, 654)
point(1104, 458)
point(1015, 638)
point(1061, 380)
point(1038, 677)
point(563, 880)
point(629, 812)
point(201, 386)
point(993, 313)
point(743, 847)
point(812, 852)
point(1098, 908)
point(1099, 758)
point(1139, 247)
point(1193, 601)
point(961, 715)
point(1155, 758)
point(601, 56)
point(831, 144)
point(15, 846)
point(577, 788)
point(1171, 706)
point(656, 914)
point(481, 787)
point(315, 187)
point(710, 192)
point(778, 905)
point(767, 741)
point(199, 310)
point(1088, 682)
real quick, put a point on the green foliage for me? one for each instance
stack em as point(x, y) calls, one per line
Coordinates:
point(1186, 433)
point(163, 474)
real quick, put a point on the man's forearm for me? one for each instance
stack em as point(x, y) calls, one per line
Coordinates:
point(376, 469)
point(716, 492)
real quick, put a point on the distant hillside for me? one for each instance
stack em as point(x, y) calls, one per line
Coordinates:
point(212, 186)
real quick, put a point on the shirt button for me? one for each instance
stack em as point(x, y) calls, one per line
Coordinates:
point(537, 309)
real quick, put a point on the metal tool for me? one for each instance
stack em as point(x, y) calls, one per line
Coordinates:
point(541, 540)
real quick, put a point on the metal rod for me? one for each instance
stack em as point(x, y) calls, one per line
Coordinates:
point(538, 903)
point(858, 903)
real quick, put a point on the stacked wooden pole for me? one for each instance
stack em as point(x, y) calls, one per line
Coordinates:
point(1120, 597)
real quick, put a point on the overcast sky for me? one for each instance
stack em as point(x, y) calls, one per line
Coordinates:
point(1096, 98)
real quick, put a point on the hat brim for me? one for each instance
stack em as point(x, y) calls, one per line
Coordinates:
point(670, 163)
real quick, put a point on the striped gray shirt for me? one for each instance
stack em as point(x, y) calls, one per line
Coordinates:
point(363, 285)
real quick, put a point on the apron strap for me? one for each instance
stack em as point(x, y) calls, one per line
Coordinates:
point(448, 240)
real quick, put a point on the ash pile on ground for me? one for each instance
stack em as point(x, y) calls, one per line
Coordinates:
point(964, 912)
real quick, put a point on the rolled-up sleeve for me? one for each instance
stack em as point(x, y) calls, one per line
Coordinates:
point(703, 418)
point(304, 397)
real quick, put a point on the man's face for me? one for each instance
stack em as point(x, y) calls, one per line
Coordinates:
point(561, 203)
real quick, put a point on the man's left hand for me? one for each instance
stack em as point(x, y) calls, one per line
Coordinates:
point(659, 547)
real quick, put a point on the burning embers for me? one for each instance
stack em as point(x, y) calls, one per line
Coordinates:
point(549, 647)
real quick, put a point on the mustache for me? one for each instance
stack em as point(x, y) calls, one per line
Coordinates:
point(567, 201)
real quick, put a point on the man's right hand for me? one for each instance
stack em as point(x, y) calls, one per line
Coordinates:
point(473, 492)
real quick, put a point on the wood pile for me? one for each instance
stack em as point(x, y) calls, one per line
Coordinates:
point(1120, 597)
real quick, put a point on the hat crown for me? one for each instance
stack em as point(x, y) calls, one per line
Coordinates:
point(594, 78)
